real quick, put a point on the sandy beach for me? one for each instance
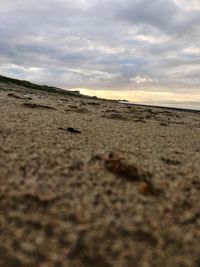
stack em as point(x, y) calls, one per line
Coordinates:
point(94, 183)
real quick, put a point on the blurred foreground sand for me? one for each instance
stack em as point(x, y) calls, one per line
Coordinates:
point(87, 182)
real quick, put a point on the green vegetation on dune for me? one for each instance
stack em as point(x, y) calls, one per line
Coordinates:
point(46, 88)
point(29, 85)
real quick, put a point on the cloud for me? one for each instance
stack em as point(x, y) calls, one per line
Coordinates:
point(129, 45)
point(155, 13)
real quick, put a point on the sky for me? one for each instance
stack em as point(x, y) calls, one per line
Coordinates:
point(139, 50)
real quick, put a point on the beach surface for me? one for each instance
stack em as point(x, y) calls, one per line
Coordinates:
point(86, 182)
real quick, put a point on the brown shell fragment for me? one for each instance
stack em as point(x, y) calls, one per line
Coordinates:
point(146, 188)
point(119, 167)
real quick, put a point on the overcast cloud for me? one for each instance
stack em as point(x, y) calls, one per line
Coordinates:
point(113, 45)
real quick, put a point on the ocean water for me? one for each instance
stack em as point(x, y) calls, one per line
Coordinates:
point(181, 105)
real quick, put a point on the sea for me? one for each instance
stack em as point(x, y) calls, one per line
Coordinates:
point(182, 105)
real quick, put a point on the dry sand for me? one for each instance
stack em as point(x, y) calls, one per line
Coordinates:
point(87, 182)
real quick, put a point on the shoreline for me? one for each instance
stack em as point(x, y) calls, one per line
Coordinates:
point(162, 107)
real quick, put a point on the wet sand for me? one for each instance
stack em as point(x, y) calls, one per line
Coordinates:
point(88, 182)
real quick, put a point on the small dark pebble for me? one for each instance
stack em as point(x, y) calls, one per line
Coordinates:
point(72, 130)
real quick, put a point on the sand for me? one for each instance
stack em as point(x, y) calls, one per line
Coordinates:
point(88, 182)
